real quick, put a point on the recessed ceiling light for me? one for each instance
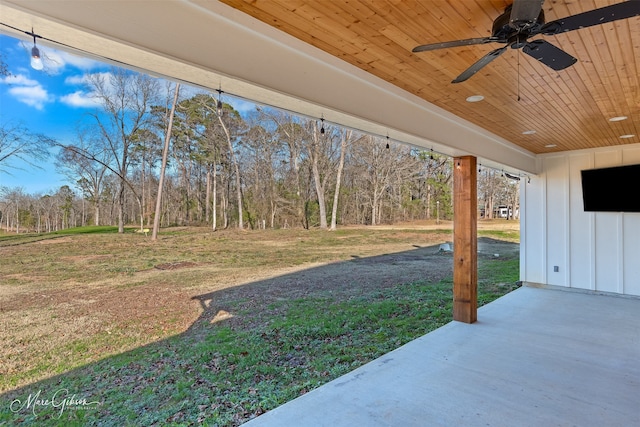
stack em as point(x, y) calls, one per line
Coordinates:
point(529, 132)
point(626, 136)
point(618, 119)
point(550, 146)
point(475, 98)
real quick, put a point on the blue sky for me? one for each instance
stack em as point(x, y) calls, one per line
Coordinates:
point(52, 102)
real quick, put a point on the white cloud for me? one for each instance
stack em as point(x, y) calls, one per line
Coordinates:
point(27, 91)
point(34, 96)
point(55, 60)
point(83, 79)
point(80, 99)
point(76, 80)
point(78, 61)
point(53, 64)
point(20, 80)
point(84, 98)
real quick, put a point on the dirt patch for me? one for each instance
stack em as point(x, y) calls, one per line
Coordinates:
point(483, 224)
point(342, 280)
point(52, 241)
point(175, 265)
point(497, 248)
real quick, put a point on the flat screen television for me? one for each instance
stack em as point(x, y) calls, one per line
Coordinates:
point(615, 189)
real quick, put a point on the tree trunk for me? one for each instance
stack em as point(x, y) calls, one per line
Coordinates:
point(96, 208)
point(374, 207)
point(428, 202)
point(490, 207)
point(225, 205)
point(299, 203)
point(121, 207)
point(214, 218)
point(207, 196)
point(273, 214)
point(336, 194)
point(143, 205)
point(237, 171)
point(315, 155)
point(165, 154)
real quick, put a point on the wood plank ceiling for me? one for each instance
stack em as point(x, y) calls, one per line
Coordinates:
point(568, 110)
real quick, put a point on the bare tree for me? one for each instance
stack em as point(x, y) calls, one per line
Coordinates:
point(488, 188)
point(86, 173)
point(381, 169)
point(18, 143)
point(376, 170)
point(290, 131)
point(14, 200)
point(126, 98)
point(4, 69)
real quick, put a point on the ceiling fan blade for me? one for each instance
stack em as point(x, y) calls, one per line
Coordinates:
point(456, 43)
point(482, 62)
point(624, 10)
point(525, 12)
point(549, 55)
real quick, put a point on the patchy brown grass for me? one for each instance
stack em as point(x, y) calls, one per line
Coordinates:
point(72, 300)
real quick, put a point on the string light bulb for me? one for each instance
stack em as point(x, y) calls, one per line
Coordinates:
point(322, 125)
point(387, 142)
point(36, 60)
point(431, 155)
point(219, 103)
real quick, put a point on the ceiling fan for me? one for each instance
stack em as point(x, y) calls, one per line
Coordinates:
point(525, 19)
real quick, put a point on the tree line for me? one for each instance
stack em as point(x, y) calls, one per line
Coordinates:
point(264, 168)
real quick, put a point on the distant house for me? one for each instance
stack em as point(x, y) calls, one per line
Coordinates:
point(506, 212)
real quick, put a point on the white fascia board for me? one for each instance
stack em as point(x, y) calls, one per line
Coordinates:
point(212, 45)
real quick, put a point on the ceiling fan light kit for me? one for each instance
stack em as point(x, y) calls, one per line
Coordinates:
point(523, 20)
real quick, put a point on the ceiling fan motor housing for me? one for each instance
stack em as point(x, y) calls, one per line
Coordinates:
point(515, 33)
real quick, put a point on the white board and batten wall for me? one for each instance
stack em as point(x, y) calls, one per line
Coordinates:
point(561, 244)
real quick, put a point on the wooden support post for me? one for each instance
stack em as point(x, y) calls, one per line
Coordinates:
point(465, 239)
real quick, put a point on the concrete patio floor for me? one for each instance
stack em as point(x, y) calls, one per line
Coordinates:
point(536, 357)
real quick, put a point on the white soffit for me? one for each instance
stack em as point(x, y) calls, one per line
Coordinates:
point(212, 45)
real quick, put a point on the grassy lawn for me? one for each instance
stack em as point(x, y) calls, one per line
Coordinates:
point(212, 328)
